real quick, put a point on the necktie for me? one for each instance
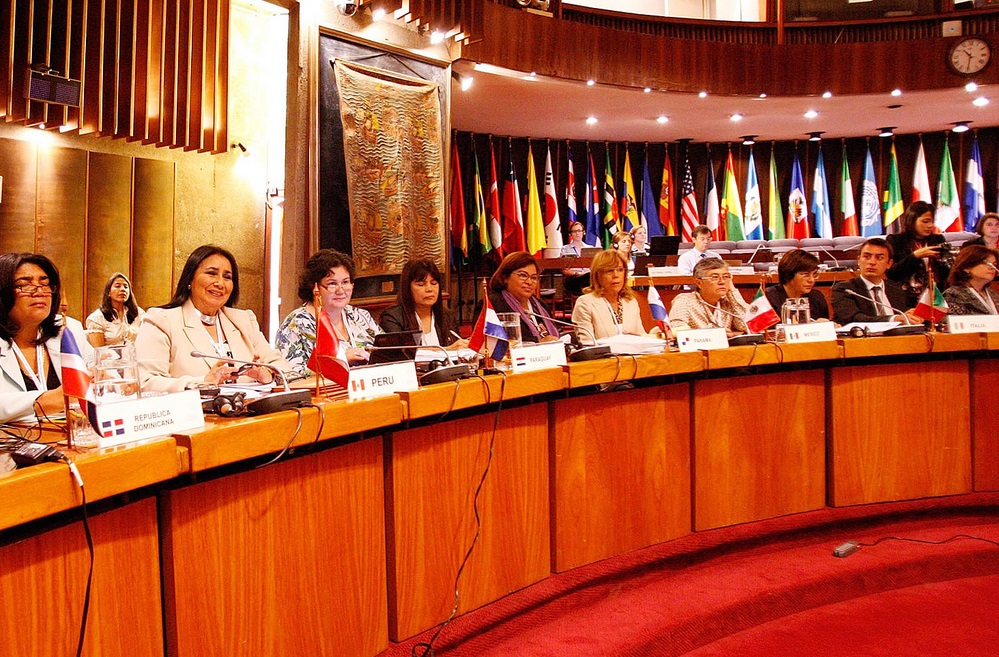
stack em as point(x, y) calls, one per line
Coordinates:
point(878, 294)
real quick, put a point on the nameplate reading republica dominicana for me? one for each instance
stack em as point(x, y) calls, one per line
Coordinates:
point(381, 380)
point(973, 323)
point(542, 355)
point(698, 339)
point(812, 332)
point(135, 419)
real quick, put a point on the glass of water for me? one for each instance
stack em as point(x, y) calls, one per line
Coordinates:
point(116, 373)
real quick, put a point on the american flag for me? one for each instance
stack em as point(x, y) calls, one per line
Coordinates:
point(688, 209)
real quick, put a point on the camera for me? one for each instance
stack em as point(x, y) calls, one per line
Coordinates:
point(348, 7)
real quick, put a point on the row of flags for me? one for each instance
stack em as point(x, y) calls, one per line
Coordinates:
point(498, 220)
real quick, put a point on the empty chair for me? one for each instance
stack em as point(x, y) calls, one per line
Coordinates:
point(959, 238)
point(749, 244)
point(847, 241)
point(825, 242)
point(785, 244)
point(722, 246)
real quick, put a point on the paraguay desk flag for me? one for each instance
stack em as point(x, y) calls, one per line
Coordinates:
point(76, 379)
point(931, 305)
point(760, 315)
point(535, 219)
point(493, 216)
point(974, 189)
point(658, 308)
point(570, 195)
point(666, 215)
point(711, 212)
point(894, 208)
point(591, 202)
point(513, 221)
point(650, 207)
point(870, 205)
point(754, 210)
point(689, 219)
point(775, 213)
point(489, 332)
point(731, 208)
point(921, 177)
point(797, 204)
point(846, 200)
point(820, 199)
point(323, 360)
point(553, 223)
point(608, 209)
point(948, 214)
point(629, 206)
point(459, 227)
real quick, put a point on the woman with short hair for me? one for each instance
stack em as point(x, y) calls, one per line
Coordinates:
point(797, 272)
point(970, 291)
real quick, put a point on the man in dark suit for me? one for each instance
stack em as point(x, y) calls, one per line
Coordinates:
point(872, 285)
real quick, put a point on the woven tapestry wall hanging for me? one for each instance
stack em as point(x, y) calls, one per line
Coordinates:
point(393, 153)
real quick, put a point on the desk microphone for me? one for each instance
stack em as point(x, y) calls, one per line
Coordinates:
point(579, 354)
point(442, 374)
point(755, 251)
point(274, 401)
point(909, 329)
point(836, 265)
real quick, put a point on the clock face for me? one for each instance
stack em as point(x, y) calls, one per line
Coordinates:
point(969, 56)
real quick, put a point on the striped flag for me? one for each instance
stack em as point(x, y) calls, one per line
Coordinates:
point(974, 189)
point(754, 210)
point(493, 215)
point(711, 211)
point(570, 195)
point(666, 216)
point(592, 202)
point(76, 380)
point(629, 206)
point(459, 227)
point(323, 359)
point(797, 205)
point(650, 207)
point(948, 214)
point(479, 224)
point(846, 204)
point(921, 178)
point(513, 219)
point(658, 309)
point(535, 218)
point(608, 209)
point(894, 208)
point(731, 205)
point(553, 224)
point(488, 331)
point(689, 219)
point(820, 199)
point(870, 205)
point(775, 213)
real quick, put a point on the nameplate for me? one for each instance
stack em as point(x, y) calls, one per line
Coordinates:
point(381, 380)
point(973, 323)
point(698, 339)
point(742, 270)
point(540, 356)
point(813, 332)
point(148, 417)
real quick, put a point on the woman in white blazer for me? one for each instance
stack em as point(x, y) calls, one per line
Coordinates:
point(609, 307)
point(31, 382)
point(201, 318)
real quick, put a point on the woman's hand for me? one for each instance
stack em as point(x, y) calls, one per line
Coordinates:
point(457, 344)
point(927, 252)
point(550, 338)
point(729, 333)
point(221, 372)
point(258, 374)
point(50, 402)
point(356, 356)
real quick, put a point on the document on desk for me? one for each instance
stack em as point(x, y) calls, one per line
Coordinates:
point(635, 345)
point(869, 328)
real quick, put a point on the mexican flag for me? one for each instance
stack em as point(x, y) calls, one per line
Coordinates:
point(931, 305)
point(760, 315)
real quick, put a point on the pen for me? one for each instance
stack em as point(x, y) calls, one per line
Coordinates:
point(456, 336)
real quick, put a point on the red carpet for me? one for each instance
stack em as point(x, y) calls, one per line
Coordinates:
point(770, 584)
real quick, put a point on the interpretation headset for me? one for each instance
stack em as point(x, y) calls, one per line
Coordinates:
point(226, 405)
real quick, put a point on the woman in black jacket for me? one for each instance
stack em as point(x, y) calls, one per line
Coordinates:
point(420, 307)
point(915, 247)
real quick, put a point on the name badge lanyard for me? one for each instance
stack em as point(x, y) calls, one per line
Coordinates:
point(37, 375)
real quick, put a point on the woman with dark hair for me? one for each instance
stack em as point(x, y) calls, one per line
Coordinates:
point(513, 289)
point(988, 231)
point(970, 291)
point(330, 275)
point(118, 318)
point(420, 306)
point(201, 318)
point(797, 272)
point(609, 306)
point(30, 334)
point(916, 245)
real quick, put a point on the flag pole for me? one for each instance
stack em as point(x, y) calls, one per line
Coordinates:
point(317, 304)
point(70, 434)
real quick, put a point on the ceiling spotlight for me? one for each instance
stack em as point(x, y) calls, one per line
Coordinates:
point(703, 94)
point(827, 94)
point(647, 90)
point(887, 131)
point(238, 146)
point(735, 117)
point(377, 14)
point(661, 119)
point(763, 95)
point(436, 37)
point(815, 136)
point(749, 140)
point(896, 92)
point(590, 82)
point(981, 101)
point(464, 81)
point(960, 126)
point(971, 86)
point(811, 114)
point(590, 120)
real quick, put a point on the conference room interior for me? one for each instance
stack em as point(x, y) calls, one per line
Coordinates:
point(542, 496)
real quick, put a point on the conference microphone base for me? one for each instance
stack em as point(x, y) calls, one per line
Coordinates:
point(916, 329)
point(282, 400)
point(445, 374)
point(589, 353)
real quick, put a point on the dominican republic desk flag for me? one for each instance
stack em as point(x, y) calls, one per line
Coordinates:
point(488, 331)
point(76, 379)
point(931, 305)
point(658, 308)
point(760, 315)
point(323, 360)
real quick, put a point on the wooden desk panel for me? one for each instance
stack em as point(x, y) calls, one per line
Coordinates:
point(434, 472)
point(984, 424)
point(437, 399)
point(43, 580)
point(899, 431)
point(285, 560)
point(621, 472)
point(759, 447)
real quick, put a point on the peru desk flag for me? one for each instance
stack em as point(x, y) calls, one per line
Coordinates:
point(931, 305)
point(488, 331)
point(760, 315)
point(323, 360)
point(76, 379)
point(658, 309)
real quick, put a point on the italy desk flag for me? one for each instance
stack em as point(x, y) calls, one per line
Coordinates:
point(76, 379)
point(488, 331)
point(931, 305)
point(760, 315)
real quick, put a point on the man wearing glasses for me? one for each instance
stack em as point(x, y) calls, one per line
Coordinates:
point(715, 304)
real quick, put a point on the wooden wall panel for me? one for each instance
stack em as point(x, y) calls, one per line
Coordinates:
point(621, 473)
point(152, 231)
point(109, 223)
point(48, 572)
point(17, 210)
point(435, 471)
point(899, 432)
point(751, 460)
point(61, 216)
point(985, 429)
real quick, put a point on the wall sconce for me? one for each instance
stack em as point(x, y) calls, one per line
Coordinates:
point(347, 7)
point(464, 81)
point(238, 146)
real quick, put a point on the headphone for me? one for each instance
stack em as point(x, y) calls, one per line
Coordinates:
point(230, 405)
point(859, 332)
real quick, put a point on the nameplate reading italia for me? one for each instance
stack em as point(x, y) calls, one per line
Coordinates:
point(973, 323)
point(125, 421)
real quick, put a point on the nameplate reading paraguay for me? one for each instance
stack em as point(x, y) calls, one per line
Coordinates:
point(529, 357)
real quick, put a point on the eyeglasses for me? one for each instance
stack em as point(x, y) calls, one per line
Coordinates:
point(716, 278)
point(524, 276)
point(346, 285)
point(814, 275)
point(27, 289)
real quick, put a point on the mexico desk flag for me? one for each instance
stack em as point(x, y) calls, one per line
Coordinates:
point(323, 360)
point(488, 331)
point(658, 309)
point(931, 305)
point(760, 315)
point(76, 379)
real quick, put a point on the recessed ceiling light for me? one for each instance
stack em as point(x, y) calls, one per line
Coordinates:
point(896, 92)
point(815, 136)
point(981, 101)
point(735, 117)
point(377, 14)
point(662, 118)
point(763, 95)
point(590, 83)
point(647, 90)
point(590, 120)
point(436, 37)
point(960, 126)
point(703, 94)
point(811, 114)
point(827, 94)
point(749, 140)
point(971, 86)
point(886, 131)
